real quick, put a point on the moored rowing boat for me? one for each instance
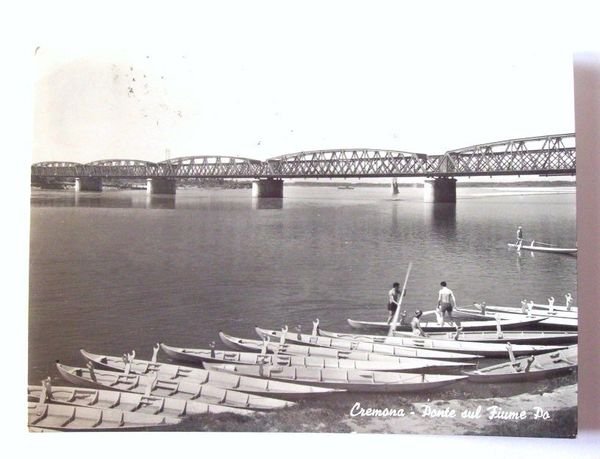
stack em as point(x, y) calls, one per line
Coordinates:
point(127, 401)
point(525, 312)
point(173, 373)
point(351, 345)
point(557, 337)
point(340, 360)
point(474, 325)
point(152, 385)
point(315, 351)
point(81, 418)
point(556, 322)
point(528, 368)
point(350, 380)
point(484, 349)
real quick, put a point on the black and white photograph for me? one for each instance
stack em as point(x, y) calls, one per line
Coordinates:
point(283, 218)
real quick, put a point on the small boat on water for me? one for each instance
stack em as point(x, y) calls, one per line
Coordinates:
point(528, 368)
point(316, 351)
point(127, 401)
point(541, 247)
point(484, 349)
point(82, 418)
point(564, 323)
point(472, 325)
point(357, 345)
point(152, 385)
point(171, 372)
point(350, 380)
point(200, 356)
point(557, 337)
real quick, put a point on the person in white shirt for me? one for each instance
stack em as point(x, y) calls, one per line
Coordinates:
point(446, 302)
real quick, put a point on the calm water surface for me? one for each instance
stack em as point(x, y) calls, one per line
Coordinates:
point(119, 270)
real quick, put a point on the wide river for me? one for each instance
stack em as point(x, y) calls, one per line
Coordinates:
point(119, 270)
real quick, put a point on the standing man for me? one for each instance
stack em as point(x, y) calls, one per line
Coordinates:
point(519, 236)
point(446, 302)
point(393, 300)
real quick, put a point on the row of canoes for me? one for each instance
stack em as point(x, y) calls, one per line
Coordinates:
point(115, 392)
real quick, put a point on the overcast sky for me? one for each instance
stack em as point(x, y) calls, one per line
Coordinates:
point(262, 80)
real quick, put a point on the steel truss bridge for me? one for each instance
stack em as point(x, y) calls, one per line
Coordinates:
point(545, 155)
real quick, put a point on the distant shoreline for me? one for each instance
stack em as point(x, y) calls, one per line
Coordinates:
point(235, 184)
point(459, 184)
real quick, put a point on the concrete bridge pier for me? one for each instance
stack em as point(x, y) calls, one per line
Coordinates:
point(395, 188)
point(88, 184)
point(160, 185)
point(441, 189)
point(267, 188)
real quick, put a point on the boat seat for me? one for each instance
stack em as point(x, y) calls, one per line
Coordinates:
point(135, 383)
point(40, 415)
point(71, 417)
point(113, 404)
point(198, 393)
point(99, 420)
point(183, 411)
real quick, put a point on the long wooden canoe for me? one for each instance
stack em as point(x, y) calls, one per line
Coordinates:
point(544, 248)
point(528, 368)
point(556, 322)
point(559, 307)
point(244, 384)
point(81, 418)
point(350, 380)
point(519, 311)
point(152, 385)
point(340, 360)
point(129, 401)
point(471, 325)
point(244, 344)
point(484, 349)
point(387, 349)
point(568, 306)
point(556, 337)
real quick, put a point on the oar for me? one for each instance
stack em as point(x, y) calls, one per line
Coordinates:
point(397, 312)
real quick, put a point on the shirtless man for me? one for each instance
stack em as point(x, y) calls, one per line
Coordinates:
point(446, 302)
point(415, 324)
point(393, 300)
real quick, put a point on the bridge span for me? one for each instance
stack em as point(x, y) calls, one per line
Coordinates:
point(543, 155)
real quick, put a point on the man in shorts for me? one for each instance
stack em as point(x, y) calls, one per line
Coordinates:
point(393, 300)
point(446, 302)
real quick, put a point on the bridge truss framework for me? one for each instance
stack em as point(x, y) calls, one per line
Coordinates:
point(544, 155)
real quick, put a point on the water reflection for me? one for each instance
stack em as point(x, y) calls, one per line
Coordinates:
point(160, 201)
point(267, 203)
point(95, 199)
point(441, 218)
